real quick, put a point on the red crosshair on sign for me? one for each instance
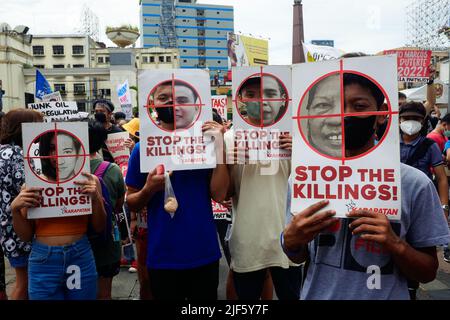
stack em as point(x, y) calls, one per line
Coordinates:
point(261, 99)
point(343, 114)
point(81, 154)
point(173, 82)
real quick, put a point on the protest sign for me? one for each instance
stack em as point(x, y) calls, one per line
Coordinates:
point(54, 96)
point(262, 110)
point(116, 146)
point(124, 94)
point(412, 64)
point(220, 212)
point(314, 53)
point(220, 103)
point(336, 154)
point(181, 101)
point(63, 154)
point(56, 110)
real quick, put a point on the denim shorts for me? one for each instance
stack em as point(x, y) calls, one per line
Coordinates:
point(62, 272)
point(18, 262)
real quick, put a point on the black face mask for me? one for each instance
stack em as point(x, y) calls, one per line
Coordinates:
point(358, 131)
point(100, 117)
point(166, 114)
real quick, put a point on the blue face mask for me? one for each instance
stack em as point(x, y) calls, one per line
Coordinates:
point(447, 133)
point(253, 109)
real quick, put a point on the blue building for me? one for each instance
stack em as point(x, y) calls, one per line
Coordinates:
point(198, 31)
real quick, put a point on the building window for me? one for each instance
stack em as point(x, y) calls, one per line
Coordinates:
point(107, 59)
point(78, 65)
point(93, 58)
point(105, 92)
point(79, 88)
point(219, 61)
point(152, 59)
point(184, 40)
point(175, 57)
point(185, 61)
point(145, 59)
point(184, 51)
point(161, 58)
point(81, 106)
point(168, 59)
point(39, 66)
point(78, 50)
point(219, 51)
point(61, 87)
point(58, 66)
point(100, 60)
point(218, 22)
point(184, 10)
point(58, 50)
point(38, 50)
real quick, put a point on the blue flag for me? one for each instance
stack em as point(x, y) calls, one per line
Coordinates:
point(42, 85)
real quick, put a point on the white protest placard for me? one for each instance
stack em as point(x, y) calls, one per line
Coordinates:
point(123, 91)
point(63, 154)
point(181, 101)
point(116, 146)
point(54, 96)
point(56, 110)
point(336, 153)
point(262, 110)
point(220, 103)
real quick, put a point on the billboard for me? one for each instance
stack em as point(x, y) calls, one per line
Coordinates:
point(244, 51)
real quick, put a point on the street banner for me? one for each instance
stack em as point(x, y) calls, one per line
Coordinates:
point(412, 64)
point(56, 110)
point(174, 104)
point(245, 51)
point(116, 146)
point(336, 153)
point(220, 103)
point(262, 111)
point(62, 154)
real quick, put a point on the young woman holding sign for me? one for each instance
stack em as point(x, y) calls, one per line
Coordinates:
point(61, 264)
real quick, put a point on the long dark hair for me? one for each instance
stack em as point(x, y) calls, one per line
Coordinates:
point(11, 125)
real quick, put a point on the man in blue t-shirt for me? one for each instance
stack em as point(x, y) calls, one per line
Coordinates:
point(183, 252)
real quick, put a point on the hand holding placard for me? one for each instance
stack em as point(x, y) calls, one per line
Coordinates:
point(27, 198)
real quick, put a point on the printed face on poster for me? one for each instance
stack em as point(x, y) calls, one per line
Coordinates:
point(337, 154)
point(262, 110)
point(62, 153)
point(174, 106)
point(116, 146)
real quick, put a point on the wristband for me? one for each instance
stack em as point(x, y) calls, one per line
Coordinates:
point(287, 252)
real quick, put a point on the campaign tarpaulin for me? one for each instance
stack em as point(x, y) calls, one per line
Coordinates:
point(412, 64)
point(116, 146)
point(314, 53)
point(56, 110)
point(337, 155)
point(63, 154)
point(174, 104)
point(220, 103)
point(262, 110)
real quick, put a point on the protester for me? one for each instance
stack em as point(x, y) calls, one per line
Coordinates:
point(59, 243)
point(441, 132)
point(3, 295)
point(103, 110)
point(107, 253)
point(183, 252)
point(405, 249)
point(12, 171)
point(120, 118)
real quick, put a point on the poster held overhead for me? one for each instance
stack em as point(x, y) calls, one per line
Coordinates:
point(174, 106)
point(336, 154)
point(63, 155)
point(412, 64)
point(262, 110)
point(120, 152)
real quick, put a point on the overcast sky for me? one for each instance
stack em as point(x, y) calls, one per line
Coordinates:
point(355, 25)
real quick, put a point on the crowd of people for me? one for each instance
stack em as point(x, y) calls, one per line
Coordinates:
point(306, 255)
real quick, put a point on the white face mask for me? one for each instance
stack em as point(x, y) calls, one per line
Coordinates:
point(410, 127)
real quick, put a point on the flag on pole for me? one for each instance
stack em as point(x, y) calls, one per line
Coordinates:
point(42, 85)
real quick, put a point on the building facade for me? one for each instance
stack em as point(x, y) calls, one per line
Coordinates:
point(198, 31)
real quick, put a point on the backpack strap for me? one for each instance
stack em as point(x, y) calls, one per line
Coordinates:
point(101, 169)
point(420, 151)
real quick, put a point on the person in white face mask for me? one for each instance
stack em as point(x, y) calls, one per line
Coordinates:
point(421, 152)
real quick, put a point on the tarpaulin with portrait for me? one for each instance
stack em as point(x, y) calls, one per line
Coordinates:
point(55, 154)
point(262, 110)
point(339, 153)
point(174, 104)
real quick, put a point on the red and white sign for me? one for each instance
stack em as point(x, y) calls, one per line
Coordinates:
point(262, 110)
point(174, 106)
point(63, 155)
point(336, 153)
point(412, 64)
point(116, 146)
point(220, 212)
point(220, 103)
